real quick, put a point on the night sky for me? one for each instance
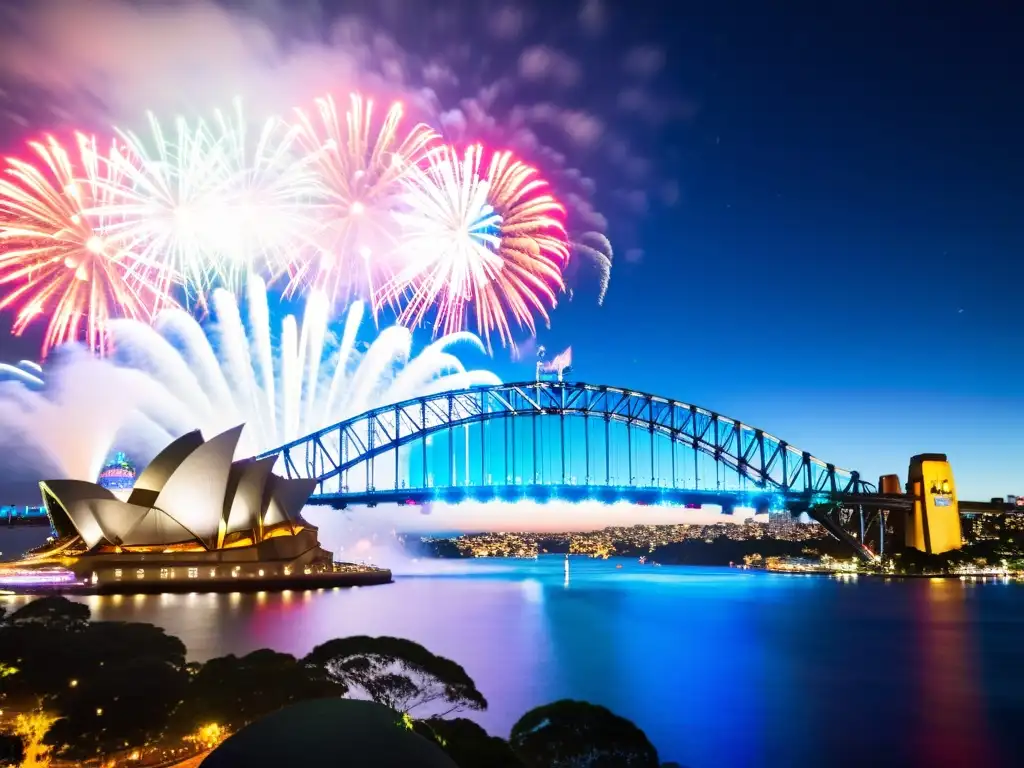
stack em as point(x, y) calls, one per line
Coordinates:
point(817, 215)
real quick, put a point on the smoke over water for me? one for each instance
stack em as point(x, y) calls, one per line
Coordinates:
point(370, 535)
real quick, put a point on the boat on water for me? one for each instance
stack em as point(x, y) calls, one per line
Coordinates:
point(643, 559)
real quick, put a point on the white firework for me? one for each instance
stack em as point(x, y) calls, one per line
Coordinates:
point(309, 379)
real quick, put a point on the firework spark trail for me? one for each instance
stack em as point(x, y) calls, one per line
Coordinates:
point(346, 206)
point(597, 249)
point(215, 200)
point(361, 168)
point(232, 374)
point(60, 247)
point(491, 245)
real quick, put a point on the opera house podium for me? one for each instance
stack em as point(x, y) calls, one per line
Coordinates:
point(195, 521)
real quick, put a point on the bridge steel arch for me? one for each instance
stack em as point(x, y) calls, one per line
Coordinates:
point(343, 458)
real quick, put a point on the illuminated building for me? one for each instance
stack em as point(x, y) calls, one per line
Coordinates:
point(195, 519)
point(118, 475)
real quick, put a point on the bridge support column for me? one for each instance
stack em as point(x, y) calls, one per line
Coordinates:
point(934, 524)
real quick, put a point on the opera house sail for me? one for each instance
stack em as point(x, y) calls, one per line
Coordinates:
point(194, 519)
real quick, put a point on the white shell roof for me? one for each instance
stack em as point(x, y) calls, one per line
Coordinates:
point(191, 492)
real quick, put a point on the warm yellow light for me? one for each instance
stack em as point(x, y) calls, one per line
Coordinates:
point(73, 683)
point(99, 711)
point(208, 736)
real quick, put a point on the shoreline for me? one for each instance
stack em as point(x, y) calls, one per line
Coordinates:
point(733, 566)
point(303, 583)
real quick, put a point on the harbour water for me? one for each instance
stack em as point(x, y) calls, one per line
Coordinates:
point(720, 667)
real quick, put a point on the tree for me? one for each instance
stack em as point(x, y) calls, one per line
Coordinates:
point(41, 642)
point(109, 684)
point(113, 642)
point(398, 673)
point(233, 691)
point(575, 734)
point(31, 728)
point(469, 745)
point(121, 705)
point(53, 611)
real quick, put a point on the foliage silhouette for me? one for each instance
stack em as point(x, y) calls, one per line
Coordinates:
point(469, 745)
point(124, 705)
point(108, 682)
point(53, 611)
point(397, 673)
point(97, 688)
point(234, 691)
point(575, 734)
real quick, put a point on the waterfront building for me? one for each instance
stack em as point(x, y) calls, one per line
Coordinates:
point(195, 519)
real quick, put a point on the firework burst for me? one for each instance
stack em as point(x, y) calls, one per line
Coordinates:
point(57, 247)
point(216, 201)
point(488, 245)
point(362, 165)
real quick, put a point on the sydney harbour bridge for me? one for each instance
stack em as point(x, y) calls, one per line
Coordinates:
point(562, 441)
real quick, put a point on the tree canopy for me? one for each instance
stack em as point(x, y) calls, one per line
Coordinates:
point(469, 745)
point(107, 683)
point(397, 673)
point(233, 691)
point(123, 705)
point(79, 689)
point(576, 734)
point(53, 611)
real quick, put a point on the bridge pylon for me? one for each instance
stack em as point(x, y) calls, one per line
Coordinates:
point(933, 525)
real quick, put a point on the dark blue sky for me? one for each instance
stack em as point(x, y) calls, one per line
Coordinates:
point(843, 265)
point(844, 268)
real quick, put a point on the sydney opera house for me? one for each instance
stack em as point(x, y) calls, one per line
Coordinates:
point(195, 520)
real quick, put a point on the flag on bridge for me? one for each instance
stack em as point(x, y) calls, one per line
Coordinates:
point(559, 363)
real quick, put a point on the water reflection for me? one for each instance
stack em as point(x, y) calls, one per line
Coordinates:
point(951, 728)
point(720, 667)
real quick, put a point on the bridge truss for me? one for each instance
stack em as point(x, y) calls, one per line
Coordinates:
point(571, 441)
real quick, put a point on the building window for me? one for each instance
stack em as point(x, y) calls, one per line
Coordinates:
point(164, 573)
point(140, 573)
point(213, 572)
point(193, 573)
point(261, 571)
point(117, 573)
